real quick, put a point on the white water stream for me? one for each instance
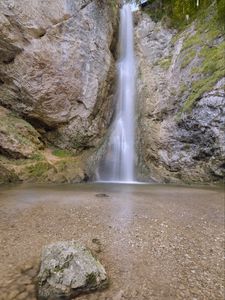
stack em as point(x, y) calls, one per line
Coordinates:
point(120, 157)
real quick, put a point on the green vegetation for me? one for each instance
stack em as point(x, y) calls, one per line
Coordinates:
point(37, 156)
point(17, 128)
point(182, 12)
point(199, 88)
point(183, 88)
point(194, 40)
point(189, 56)
point(165, 62)
point(210, 60)
point(20, 139)
point(37, 169)
point(213, 60)
point(210, 70)
point(221, 12)
point(62, 153)
point(112, 3)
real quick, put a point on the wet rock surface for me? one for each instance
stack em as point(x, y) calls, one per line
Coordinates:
point(67, 270)
point(181, 130)
point(156, 242)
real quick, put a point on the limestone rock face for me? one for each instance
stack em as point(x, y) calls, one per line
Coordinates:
point(181, 103)
point(56, 67)
point(68, 269)
point(18, 139)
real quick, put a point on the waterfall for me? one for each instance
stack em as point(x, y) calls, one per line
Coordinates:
point(119, 162)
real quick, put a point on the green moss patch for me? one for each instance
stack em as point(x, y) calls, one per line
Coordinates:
point(194, 40)
point(199, 88)
point(38, 169)
point(183, 89)
point(62, 153)
point(188, 58)
point(18, 138)
point(38, 156)
point(165, 62)
point(213, 59)
point(210, 67)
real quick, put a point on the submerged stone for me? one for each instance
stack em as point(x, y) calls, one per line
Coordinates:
point(102, 195)
point(67, 270)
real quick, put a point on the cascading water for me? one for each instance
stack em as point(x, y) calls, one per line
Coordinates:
point(119, 163)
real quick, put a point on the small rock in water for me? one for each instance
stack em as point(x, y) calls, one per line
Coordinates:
point(101, 195)
point(96, 241)
point(67, 270)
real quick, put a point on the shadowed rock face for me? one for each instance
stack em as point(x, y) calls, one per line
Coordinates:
point(178, 142)
point(57, 67)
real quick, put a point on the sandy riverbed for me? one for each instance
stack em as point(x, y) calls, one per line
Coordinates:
point(156, 241)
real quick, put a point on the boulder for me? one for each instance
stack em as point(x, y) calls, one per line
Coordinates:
point(67, 270)
point(18, 139)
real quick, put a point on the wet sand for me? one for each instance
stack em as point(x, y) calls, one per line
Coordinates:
point(155, 241)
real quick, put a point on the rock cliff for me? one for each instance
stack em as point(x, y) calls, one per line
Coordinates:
point(56, 78)
point(181, 100)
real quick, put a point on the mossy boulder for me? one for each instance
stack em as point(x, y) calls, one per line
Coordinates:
point(18, 139)
point(7, 175)
point(62, 171)
point(35, 171)
point(43, 166)
point(67, 270)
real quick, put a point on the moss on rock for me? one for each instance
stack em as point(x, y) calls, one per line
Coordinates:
point(206, 46)
point(37, 169)
point(18, 139)
point(62, 153)
point(188, 58)
point(165, 62)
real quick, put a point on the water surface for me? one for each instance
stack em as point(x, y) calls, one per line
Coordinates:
point(156, 241)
